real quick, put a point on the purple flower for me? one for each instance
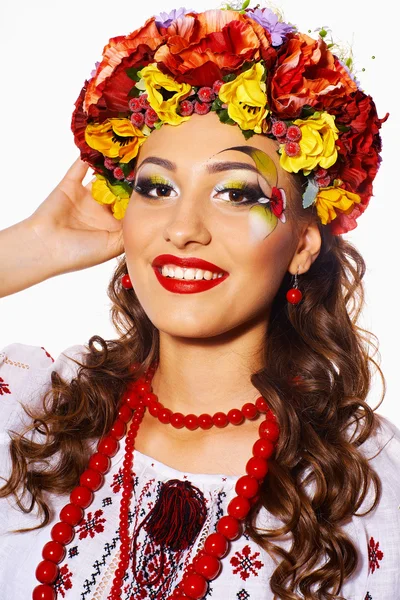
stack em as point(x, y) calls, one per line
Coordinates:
point(269, 20)
point(164, 19)
point(93, 73)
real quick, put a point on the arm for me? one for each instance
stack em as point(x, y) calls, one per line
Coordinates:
point(69, 231)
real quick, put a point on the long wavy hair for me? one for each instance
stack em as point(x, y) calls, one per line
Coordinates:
point(320, 342)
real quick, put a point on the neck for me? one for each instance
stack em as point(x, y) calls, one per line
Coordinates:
point(208, 375)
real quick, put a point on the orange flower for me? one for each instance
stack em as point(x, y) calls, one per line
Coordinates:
point(206, 46)
point(308, 73)
point(136, 45)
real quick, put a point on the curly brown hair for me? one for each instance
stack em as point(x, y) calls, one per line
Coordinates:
point(319, 340)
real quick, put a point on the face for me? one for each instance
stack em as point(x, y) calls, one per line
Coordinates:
point(183, 209)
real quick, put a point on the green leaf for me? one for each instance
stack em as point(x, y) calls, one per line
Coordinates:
point(248, 133)
point(225, 118)
point(126, 168)
point(342, 127)
point(229, 77)
point(158, 124)
point(310, 194)
point(134, 93)
point(307, 111)
point(217, 103)
point(133, 73)
point(245, 4)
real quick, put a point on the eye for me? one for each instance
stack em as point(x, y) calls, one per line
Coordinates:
point(146, 186)
point(248, 194)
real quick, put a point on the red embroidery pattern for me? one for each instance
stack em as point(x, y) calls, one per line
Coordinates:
point(117, 481)
point(245, 563)
point(368, 596)
point(374, 555)
point(63, 581)
point(91, 525)
point(4, 387)
point(47, 354)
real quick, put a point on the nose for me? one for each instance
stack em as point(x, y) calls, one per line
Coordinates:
point(188, 222)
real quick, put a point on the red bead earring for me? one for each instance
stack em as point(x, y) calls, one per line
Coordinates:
point(126, 282)
point(294, 295)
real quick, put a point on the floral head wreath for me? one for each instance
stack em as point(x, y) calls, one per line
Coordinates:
point(255, 72)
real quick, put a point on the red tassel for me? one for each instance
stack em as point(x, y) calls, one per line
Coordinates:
point(175, 520)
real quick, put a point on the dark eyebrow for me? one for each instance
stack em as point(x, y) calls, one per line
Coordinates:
point(213, 168)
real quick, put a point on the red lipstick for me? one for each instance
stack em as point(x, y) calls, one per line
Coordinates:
point(184, 286)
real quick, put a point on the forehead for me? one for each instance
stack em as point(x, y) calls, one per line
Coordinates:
point(202, 139)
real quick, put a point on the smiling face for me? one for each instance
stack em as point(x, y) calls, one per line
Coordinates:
point(179, 207)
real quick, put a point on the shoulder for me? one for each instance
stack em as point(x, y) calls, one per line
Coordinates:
point(25, 375)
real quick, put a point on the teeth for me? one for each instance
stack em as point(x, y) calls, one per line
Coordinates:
point(188, 274)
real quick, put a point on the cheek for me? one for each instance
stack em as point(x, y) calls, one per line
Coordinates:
point(261, 223)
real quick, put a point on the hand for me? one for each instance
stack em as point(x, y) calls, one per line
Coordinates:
point(77, 231)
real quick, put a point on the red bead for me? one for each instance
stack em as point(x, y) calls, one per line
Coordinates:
point(250, 410)
point(177, 420)
point(149, 399)
point(269, 430)
point(62, 532)
point(220, 419)
point(164, 415)
point(100, 462)
point(262, 405)
point(142, 388)
point(229, 527)
point(263, 448)
point(126, 282)
point(205, 421)
point(208, 566)
point(125, 413)
point(132, 400)
point(247, 486)
point(257, 467)
point(191, 422)
point(46, 571)
point(235, 416)
point(154, 408)
point(195, 586)
point(238, 507)
point(91, 479)
point(294, 295)
point(44, 592)
point(71, 514)
point(118, 430)
point(216, 544)
point(54, 551)
point(108, 446)
point(81, 496)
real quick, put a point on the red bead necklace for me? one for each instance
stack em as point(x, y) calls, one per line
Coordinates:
point(206, 565)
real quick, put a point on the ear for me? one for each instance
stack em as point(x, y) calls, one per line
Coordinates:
point(308, 248)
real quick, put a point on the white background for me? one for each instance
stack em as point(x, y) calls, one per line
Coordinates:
point(48, 48)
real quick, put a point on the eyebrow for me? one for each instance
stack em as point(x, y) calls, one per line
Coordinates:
point(213, 168)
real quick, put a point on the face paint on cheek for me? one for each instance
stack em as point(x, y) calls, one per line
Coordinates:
point(262, 223)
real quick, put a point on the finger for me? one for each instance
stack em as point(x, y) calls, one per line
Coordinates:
point(77, 170)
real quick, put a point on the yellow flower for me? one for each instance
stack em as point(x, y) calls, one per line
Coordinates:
point(246, 98)
point(115, 138)
point(317, 144)
point(116, 195)
point(331, 199)
point(164, 102)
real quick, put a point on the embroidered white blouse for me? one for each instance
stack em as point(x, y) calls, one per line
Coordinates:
point(92, 556)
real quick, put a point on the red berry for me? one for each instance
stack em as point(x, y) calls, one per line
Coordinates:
point(118, 173)
point(46, 571)
point(144, 103)
point(109, 164)
point(202, 108)
point(54, 551)
point(44, 592)
point(137, 119)
point(294, 296)
point(238, 507)
point(71, 514)
point(247, 486)
point(151, 114)
point(292, 149)
point(320, 173)
point(235, 416)
point(257, 467)
point(62, 532)
point(323, 181)
point(135, 105)
point(216, 544)
point(279, 129)
point(293, 133)
point(206, 94)
point(186, 108)
point(217, 85)
point(220, 419)
point(205, 421)
point(229, 527)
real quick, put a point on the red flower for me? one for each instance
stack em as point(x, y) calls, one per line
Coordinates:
point(203, 47)
point(278, 203)
point(308, 73)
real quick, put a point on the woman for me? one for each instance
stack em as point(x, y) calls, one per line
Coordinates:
point(230, 152)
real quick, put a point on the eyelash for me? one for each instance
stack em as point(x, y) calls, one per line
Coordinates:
point(252, 192)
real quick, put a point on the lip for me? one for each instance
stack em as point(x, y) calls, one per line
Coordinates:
point(190, 262)
point(186, 286)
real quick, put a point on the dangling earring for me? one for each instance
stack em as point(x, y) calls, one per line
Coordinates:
point(294, 295)
point(126, 282)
